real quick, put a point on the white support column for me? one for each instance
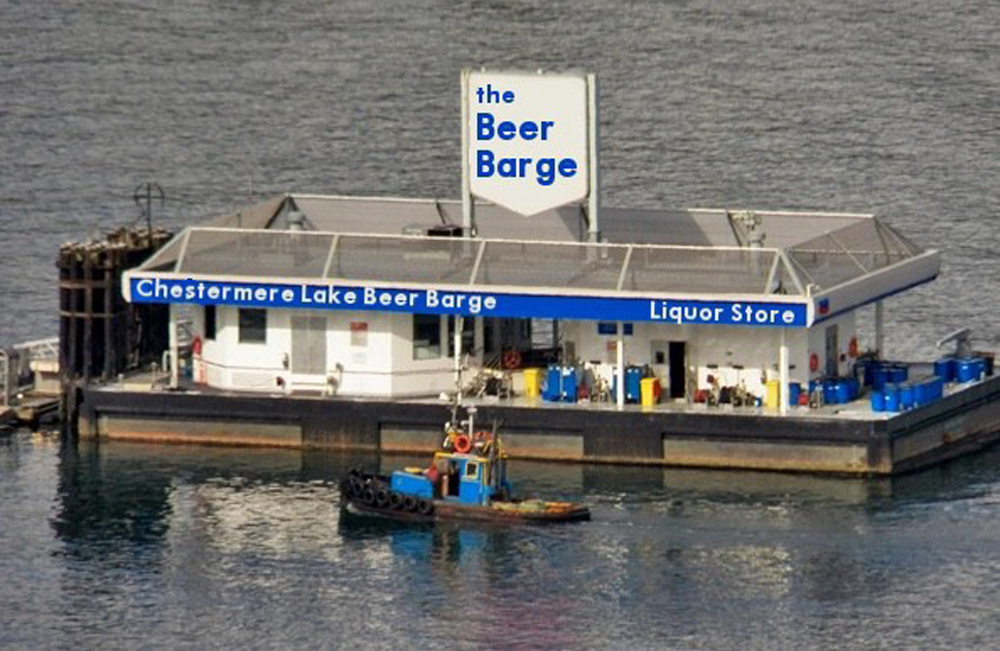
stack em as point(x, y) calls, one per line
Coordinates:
point(478, 341)
point(783, 393)
point(174, 353)
point(459, 324)
point(620, 370)
point(468, 203)
point(594, 194)
point(879, 329)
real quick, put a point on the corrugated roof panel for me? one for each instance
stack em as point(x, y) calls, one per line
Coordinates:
point(278, 254)
point(444, 260)
point(708, 271)
point(680, 227)
point(537, 264)
point(258, 215)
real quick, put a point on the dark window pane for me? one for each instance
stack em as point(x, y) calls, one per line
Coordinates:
point(426, 336)
point(210, 322)
point(253, 326)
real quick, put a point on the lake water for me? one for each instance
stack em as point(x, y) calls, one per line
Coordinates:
point(127, 545)
point(865, 107)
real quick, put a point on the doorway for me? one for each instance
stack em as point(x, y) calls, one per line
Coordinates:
point(308, 345)
point(678, 367)
point(832, 351)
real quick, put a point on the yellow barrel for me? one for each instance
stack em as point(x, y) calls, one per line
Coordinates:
point(532, 382)
point(647, 391)
point(773, 393)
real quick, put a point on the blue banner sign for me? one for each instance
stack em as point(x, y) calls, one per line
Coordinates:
point(438, 301)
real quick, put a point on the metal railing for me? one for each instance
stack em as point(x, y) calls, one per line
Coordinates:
point(16, 375)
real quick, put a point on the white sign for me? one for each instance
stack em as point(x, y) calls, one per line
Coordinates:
point(527, 139)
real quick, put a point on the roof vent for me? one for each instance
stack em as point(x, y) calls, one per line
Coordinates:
point(296, 221)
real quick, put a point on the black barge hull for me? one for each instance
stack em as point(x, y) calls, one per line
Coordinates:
point(962, 422)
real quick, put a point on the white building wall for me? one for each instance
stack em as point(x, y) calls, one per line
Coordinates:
point(372, 359)
point(415, 377)
point(381, 362)
point(847, 329)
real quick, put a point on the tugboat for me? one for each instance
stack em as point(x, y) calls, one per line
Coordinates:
point(466, 480)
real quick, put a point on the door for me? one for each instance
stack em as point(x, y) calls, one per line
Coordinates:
point(308, 345)
point(832, 352)
point(678, 367)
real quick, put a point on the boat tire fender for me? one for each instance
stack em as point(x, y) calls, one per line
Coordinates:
point(357, 486)
point(425, 507)
point(396, 501)
point(381, 498)
point(368, 496)
point(462, 443)
point(409, 503)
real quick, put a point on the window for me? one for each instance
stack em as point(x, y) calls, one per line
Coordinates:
point(471, 469)
point(426, 336)
point(611, 328)
point(253, 326)
point(210, 322)
point(468, 335)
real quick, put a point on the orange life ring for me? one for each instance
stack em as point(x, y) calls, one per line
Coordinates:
point(511, 359)
point(463, 443)
point(196, 345)
point(814, 362)
point(852, 348)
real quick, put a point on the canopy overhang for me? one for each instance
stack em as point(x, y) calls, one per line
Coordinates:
point(705, 285)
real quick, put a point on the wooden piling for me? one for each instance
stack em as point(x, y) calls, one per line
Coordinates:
point(100, 335)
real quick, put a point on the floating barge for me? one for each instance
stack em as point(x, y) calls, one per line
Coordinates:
point(849, 439)
point(303, 332)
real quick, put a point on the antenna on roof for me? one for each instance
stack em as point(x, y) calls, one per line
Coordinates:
point(146, 209)
point(440, 212)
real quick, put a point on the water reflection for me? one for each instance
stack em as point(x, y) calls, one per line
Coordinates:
point(215, 537)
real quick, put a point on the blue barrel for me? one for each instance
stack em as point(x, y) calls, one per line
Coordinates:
point(907, 396)
point(891, 392)
point(794, 390)
point(880, 376)
point(633, 377)
point(945, 368)
point(878, 400)
point(853, 388)
point(552, 390)
point(967, 369)
point(842, 389)
point(921, 393)
point(830, 391)
point(937, 388)
point(567, 392)
point(898, 373)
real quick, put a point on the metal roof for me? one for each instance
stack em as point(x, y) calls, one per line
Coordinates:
point(397, 216)
point(862, 248)
point(699, 254)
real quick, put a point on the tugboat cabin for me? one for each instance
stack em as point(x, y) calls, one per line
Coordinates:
point(455, 477)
